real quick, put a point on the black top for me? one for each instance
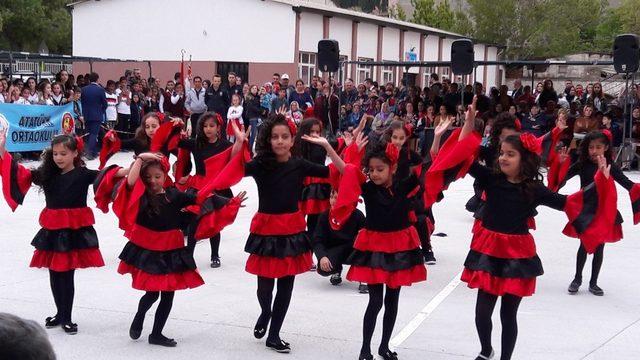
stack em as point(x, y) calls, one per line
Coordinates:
point(388, 209)
point(217, 100)
point(508, 207)
point(69, 190)
point(325, 237)
point(587, 172)
point(202, 154)
point(279, 185)
point(169, 215)
point(406, 160)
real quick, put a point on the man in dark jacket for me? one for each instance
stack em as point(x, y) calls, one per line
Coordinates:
point(94, 105)
point(217, 97)
point(535, 122)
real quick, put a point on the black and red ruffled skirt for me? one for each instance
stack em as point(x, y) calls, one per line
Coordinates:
point(67, 240)
point(315, 195)
point(392, 258)
point(279, 245)
point(500, 263)
point(197, 182)
point(158, 260)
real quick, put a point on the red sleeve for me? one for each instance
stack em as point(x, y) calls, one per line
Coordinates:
point(634, 194)
point(548, 144)
point(452, 162)
point(166, 137)
point(109, 148)
point(352, 155)
point(104, 186)
point(127, 203)
point(16, 181)
point(230, 175)
point(592, 214)
point(557, 173)
point(216, 212)
point(184, 157)
point(349, 191)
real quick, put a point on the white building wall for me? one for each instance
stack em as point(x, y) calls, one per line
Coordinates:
point(446, 49)
point(492, 70)
point(479, 56)
point(94, 33)
point(340, 30)
point(368, 41)
point(310, 32)
point(431, 48)
point(390, 44)
point(412, 40)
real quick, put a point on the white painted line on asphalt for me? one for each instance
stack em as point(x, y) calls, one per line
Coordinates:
point(413, 325)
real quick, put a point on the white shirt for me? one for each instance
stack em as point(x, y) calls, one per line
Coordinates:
point(235, 112)
point(22, 101)
point(112, 103)
point(123, 107)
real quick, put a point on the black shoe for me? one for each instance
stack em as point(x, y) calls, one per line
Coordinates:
point(136, 328)
point(574, 286)
point(363, 288)
point(335, 279)
point(215, 262)
point(365, 357)
point(70, 328)
point(51, 322)
point(429, 259)
point(161, 340)
point(596, 290)
point(279, 346)
point(260, 329)
point(388, 354)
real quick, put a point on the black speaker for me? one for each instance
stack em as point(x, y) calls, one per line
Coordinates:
point(462, 57)
point(626, 53)
point(328, 55)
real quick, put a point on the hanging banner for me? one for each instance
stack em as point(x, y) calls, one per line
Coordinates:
point(32, 127)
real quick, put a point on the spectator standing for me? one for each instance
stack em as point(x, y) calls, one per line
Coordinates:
point(94, 105)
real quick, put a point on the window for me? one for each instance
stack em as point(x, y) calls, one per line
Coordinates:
point(306, 66)
point(388, 73)
point(363, 71)
point(427, 74)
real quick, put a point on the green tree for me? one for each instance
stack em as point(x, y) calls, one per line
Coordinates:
point(440, 16)
point(26, 23)
point(629, 16)
point(397, 12)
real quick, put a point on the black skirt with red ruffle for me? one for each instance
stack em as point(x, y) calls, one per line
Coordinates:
point(158, 260)
point(315, 195)
point(278, 245)
point(391, 258)
point(67, 240)
point(500, 263)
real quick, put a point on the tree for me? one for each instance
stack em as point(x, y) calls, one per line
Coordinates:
point(26, 23)
point(440, 16)
point(397, 12)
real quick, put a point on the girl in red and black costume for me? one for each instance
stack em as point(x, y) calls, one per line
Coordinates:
point(278, 244)
point(410, 161)
point(387, 250)
point(150, 213)
point(594, 145)
point(67, 240)
point(210, 152)
point(502, 261)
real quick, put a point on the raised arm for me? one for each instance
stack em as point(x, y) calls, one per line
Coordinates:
point(437, 135)
point(134, 171)
point(333, 155)
point(470, 119)
point(241, 136)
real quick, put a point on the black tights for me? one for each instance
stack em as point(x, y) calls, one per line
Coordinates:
point(63, 290)
point(596, 265)
point(280, 304)
point(214, 241)
point(376, 299)
point(162, 313)
point(508, 316)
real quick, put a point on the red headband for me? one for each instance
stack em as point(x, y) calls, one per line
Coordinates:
point(531, 143)
point(164, 163)
point(608, 134)
point(292, 126)
point(392, 153)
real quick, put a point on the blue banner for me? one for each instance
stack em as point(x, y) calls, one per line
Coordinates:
point(31, 127)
